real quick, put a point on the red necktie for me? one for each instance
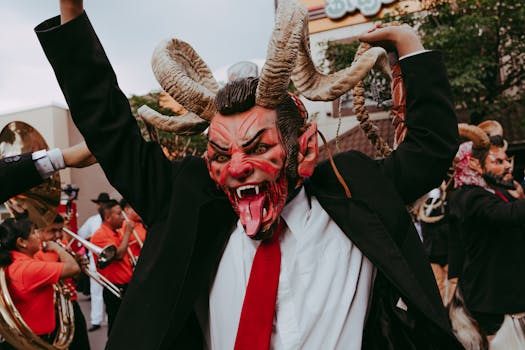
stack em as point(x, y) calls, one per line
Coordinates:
point(255, 325)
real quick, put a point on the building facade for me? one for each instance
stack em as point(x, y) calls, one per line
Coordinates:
point(55, 125)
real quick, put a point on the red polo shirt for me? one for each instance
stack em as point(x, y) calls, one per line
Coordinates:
point(30, 284)
point(119, 271)
point(133, 244)
point(46, 256)
point(53, 257)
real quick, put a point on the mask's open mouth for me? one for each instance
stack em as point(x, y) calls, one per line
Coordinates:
point(253, 206)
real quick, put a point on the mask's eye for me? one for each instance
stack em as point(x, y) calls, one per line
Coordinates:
point(221, 158)
point(260, 149)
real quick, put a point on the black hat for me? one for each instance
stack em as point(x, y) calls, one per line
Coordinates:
point(103, 197)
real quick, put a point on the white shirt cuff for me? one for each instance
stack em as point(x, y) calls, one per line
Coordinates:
point(413, 54)
point(48, 162)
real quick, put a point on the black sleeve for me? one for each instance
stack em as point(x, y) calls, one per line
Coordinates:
point(456, 251)
point(17, 175)
point(484, 208)
point(422, 159)
point(100, 110)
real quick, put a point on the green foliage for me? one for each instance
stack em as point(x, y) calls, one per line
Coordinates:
point(151, 99)
point(175, 147)
point(340, 55)
point(483, 43)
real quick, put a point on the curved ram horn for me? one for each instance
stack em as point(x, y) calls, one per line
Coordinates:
point(475, 134)
point(317, 86)
point(288, 32)
point(185, 76)
point(187, 124)
point(491, 127)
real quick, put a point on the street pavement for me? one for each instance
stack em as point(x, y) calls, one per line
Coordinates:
point(98, 338)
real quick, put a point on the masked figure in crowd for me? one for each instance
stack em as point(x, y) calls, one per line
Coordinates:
point(258, 221)
point(489, 224)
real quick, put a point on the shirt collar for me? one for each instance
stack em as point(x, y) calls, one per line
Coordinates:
point(16, 255)
point(296, 213)
point(107, 228)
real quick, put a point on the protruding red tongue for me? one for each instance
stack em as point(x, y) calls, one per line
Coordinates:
point(251, 213)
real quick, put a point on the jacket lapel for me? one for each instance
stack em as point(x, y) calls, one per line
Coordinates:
point(365, 229)
point(376, 220)
point(214, 225)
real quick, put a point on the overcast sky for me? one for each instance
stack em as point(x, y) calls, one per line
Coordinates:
point(222, 32)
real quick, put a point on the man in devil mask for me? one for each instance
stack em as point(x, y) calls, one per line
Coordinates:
point(489, 224)
point(257, 246)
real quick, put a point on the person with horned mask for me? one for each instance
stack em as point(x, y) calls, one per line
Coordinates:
point(257, 246)
point(490, 228)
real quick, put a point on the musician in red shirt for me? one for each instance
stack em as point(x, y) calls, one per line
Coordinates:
point(31, 281)
point(53, 233)
point(120, 270)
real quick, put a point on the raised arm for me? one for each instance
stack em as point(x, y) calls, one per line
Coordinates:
point(23, 172)
point(138, 170)
point(402, 39)
point(420, 162)
point(17, 174)
point(122, 249)
point(70, 9)
point(78, 156)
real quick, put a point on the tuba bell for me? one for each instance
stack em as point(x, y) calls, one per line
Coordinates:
point(40, 204)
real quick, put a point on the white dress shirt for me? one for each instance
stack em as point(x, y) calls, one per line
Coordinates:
point(324, 285)
point(89, 227)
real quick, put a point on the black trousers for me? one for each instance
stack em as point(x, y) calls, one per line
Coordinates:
point(80, 337)
point(113, 303)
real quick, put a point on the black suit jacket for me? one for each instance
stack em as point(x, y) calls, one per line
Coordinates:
point(190, 220)
point(492, 235)
point(17, 174)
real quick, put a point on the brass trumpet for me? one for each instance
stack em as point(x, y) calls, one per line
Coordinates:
point(105, 256)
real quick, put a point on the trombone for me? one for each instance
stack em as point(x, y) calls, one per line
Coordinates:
point(132, 257)
point(104, 257)
point(139, 241)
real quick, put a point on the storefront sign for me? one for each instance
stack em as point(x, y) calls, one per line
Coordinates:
point(336, 9)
